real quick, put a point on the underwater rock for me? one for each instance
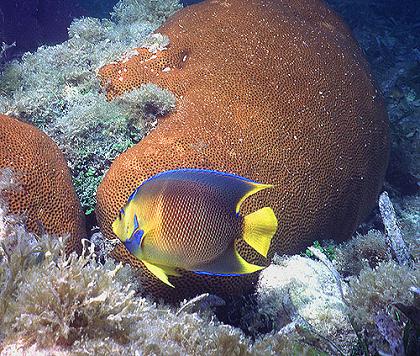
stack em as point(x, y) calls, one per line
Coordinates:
point(45, 196)
point(314, 292)
point(275, 91)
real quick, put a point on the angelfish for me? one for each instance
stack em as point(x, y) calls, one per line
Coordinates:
point(189, 219)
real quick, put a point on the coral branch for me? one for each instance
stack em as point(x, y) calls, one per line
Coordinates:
point(202, 302)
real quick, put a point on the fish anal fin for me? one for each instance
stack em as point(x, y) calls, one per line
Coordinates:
point(160, 273)
point(230, 263)
point(170, 271)
point(259, 229)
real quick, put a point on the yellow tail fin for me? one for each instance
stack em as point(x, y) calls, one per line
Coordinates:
point(259, 228)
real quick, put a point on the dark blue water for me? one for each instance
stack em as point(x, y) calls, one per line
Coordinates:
point(31, 23)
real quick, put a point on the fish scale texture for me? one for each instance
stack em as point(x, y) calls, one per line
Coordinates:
point(275, 91)
point(190, 224)
point(45, 195)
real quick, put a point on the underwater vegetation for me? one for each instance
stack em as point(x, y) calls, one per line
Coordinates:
point(76, 305)
point(358, 297)
point(56, 89)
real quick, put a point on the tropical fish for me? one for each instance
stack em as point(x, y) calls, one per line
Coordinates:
point(189, 219)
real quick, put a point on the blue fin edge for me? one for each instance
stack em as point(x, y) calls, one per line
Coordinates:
point(200, 170)
point(133, 194)
point(218, 274)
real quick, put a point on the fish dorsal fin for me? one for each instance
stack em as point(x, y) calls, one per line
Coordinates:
point(259, 228)
point(231, 186)
point(254, 188)
point(161, 272)
point(229, 263)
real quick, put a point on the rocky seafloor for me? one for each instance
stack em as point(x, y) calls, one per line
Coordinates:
point(355, 298)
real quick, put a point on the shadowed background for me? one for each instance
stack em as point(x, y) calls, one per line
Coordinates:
point(32, 23)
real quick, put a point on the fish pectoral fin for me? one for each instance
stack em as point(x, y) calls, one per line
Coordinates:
point(161, 272)
point(230, 263)
point(259, 228)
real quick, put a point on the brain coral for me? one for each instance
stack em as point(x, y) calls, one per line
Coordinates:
point(46, 196)
point(276, 91)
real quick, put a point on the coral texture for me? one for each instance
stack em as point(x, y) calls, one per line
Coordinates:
point(45, 196)
point(276, 91)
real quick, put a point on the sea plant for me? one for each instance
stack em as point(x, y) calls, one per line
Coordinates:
point(57, 89)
